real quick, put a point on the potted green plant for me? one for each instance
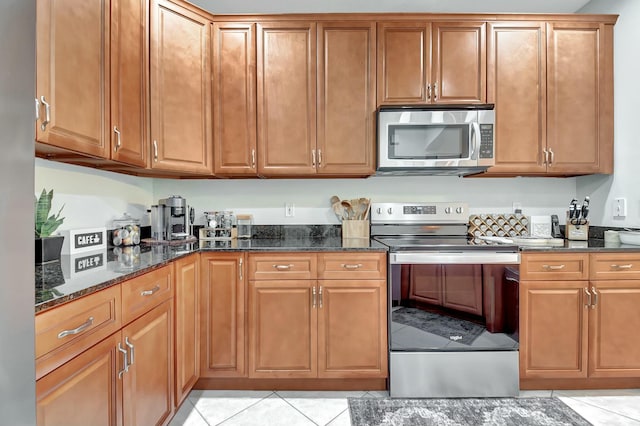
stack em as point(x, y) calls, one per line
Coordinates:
point(48, 246)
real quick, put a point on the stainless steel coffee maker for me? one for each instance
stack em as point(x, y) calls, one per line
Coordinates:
point(170, 219)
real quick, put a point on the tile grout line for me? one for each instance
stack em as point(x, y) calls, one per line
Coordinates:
point(341, 412)
point(197, 411)
point(291, 405)
point(599, 408)
point(244, 409)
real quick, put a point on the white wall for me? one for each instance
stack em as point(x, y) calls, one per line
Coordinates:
point(92, 198)
point(625, 182)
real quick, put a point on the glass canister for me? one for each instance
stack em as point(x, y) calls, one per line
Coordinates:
point(126, 231)
point(244, 224)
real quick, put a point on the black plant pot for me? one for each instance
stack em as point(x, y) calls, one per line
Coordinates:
point(48, 248)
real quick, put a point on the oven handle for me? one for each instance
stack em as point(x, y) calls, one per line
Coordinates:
point(461, 257)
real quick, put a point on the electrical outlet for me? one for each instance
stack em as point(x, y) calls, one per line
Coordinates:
point(517, 207)
point(619, 208)
point(289, 210)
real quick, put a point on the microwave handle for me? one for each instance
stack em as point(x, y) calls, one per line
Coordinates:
point(475, 146)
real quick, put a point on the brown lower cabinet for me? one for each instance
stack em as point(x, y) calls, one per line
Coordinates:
point(578, 331)
point(317, 328)
point(123, 379)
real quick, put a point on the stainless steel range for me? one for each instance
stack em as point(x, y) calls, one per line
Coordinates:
point(453, 311)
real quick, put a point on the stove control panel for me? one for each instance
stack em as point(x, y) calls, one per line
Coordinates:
point(427, 212)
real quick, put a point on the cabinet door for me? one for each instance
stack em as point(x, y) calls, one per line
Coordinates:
point(516, 81)
point(346, 98)
point(579, 98)
point(87, 387)
point(223, 313)
point(462, 288)
point(352, 329)
point(72, 75)
point(553, 329)
point(614, 350)
point(425, 284)
point(459, 62)
point(286, 98)
point(129, 81)
point(404, 52)
point(234, 98)
point(187, 326)
point(148, 385)
point(283, 320)
point(180, 89)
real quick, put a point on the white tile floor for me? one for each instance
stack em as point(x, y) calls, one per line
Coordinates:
point(293, 408)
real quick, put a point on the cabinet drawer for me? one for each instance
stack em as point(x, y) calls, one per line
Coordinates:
point(283, 266)
point(614, 266)
point(554, 266)
point(142, 293)
point(352, 266)
point(65, 331)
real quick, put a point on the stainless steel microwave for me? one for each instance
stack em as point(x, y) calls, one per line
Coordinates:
point(436, 140)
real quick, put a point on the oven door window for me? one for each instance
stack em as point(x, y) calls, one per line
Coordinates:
point(453, 307)
point(429, 141)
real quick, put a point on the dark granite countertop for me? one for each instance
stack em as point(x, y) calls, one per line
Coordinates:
point(593, 245)
point(84, 273)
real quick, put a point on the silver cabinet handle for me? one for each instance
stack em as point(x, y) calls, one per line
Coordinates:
point(155, 150)
point(313, 157)
point(553, 267)
point(586, 291)
point(320, 296)
point(435, 91)
point(545, 157)
point(595, 297)
point(125, 362)
point(253, 158)
point(37, 109)
point(118, 142)
point(47, 113)
point(552, 155)
point(82, 327)
point(619, 267)
point(319, 158)
point(351, 266)
point(131, 347)
point(313, 297)
point(150, 292)
point(429, 91)
point(283, 267)
point(240, 268)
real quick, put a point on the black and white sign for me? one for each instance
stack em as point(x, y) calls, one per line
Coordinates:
point(91, 239)
point(84, 240)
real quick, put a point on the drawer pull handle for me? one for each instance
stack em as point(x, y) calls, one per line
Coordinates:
point(586, 291)
point(595, 297)
point(150, 292)
point(283, 267)
point(80, 329)
point(553, 267)
point(351, 266)
point(618, 267)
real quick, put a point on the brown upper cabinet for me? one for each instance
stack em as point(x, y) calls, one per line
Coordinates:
point(552, 84)
point(437, 62)
point(310, 107)
point(91, 82)
point(180, 89)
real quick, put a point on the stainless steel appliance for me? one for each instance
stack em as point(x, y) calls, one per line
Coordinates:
point(453, 311)
point(442, 139)
point(17, 121)
point(170, 219)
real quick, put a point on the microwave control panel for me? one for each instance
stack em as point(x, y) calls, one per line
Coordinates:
point(486, 141)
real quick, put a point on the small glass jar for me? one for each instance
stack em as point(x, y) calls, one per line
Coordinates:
point(126, 231)
point(244, 223)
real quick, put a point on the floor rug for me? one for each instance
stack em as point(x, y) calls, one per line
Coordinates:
point(463, 412)
point(457, 330)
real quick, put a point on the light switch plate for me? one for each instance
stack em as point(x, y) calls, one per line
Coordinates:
point(619, 208)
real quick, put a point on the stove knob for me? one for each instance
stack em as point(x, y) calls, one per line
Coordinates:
point(459, 210)
point(390, 210)
point(447, 210)
point(379, 210)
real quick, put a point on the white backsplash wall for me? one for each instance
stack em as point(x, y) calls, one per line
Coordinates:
point(626, 68)
point(91, 197)
point(266, 198)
